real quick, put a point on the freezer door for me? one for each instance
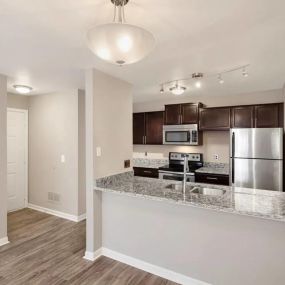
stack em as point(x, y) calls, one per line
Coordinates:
point(257, 173)
point(266, 143)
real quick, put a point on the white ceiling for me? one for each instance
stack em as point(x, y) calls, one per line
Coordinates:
point(42, 43)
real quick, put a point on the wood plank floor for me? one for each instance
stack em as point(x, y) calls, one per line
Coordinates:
point(48, 250)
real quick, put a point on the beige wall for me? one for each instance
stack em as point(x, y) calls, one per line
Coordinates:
point(212, 246)
point(214, 142)
point(17, 101)
point(112, 124)
point(53, 131)
point(3, 157)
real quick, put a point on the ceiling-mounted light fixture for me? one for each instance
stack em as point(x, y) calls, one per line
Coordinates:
point(197, 77)
point(120, 43)
point(220, 78)
point(177, 89)
point(244, 72)
point(23, 89)
point(162, 89)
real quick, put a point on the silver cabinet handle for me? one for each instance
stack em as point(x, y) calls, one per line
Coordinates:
point(147, 171)
point(211, 178)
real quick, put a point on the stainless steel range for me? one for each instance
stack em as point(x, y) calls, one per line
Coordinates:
point(174, 170)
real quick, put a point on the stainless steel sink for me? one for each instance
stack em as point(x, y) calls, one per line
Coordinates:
point(208, 191)
point(197, 190)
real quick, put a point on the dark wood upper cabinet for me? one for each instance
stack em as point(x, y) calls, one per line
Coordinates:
point(242, 117)
point(153, 127)
point(214, 119)
point(190, 113)
point(269, 116)
point(177, 114)
point(138, 128)
point(172, 114)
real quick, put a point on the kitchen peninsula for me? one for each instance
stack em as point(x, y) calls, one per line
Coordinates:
point(183, 236)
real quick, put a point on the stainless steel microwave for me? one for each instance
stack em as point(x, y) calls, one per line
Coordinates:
point(181, 134)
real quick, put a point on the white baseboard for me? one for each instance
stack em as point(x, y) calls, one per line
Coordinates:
point(81, 217)
point(4, 241)
point(92, 256)
point(59, 214)
point(145, 266)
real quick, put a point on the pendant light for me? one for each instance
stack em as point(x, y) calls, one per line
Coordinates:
point(118, 42)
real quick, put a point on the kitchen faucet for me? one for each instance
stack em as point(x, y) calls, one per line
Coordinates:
point(185, 170)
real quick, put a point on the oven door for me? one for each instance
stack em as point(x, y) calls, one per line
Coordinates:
point(176, 176)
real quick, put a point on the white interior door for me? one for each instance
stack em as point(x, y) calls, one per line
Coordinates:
point(17, 158)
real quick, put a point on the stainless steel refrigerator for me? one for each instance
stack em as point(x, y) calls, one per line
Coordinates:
point(256, 158)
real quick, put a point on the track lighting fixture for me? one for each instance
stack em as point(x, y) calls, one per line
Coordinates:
point(177, 89)
point(220, 78)
point(196, 79)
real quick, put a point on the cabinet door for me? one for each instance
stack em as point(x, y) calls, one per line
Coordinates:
point(190, 113)
point(214, 119)
point(267, 116)
point(154, 127)
point(173, 114)
point(138, 128)
point(242, 117)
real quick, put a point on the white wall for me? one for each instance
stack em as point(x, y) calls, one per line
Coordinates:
point(3, 157)
point(214, 142)
point(17, 101)
point(53, 131)
point(108, 121)
point(112, 124)
point(214, 247)
point(81, 154)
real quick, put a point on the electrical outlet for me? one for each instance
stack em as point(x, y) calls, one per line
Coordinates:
point(127, 163)
point(216, 156)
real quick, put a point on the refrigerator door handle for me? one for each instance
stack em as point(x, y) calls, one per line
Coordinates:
point(233, 158)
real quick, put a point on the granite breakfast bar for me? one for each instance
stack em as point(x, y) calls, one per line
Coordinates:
point(187, 233)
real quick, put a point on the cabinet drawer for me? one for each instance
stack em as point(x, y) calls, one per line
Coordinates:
point(146, 172)
point(212, 178)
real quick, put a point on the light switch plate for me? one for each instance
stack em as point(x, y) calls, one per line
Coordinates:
point(62, 158)
point(98, 151)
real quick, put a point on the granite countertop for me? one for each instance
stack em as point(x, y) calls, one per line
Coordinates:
point(149, 163)
point(243, 201)
point(214, 168)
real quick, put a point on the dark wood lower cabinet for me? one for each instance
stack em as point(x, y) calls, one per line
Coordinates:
point(212, 178)
point(146, 172)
